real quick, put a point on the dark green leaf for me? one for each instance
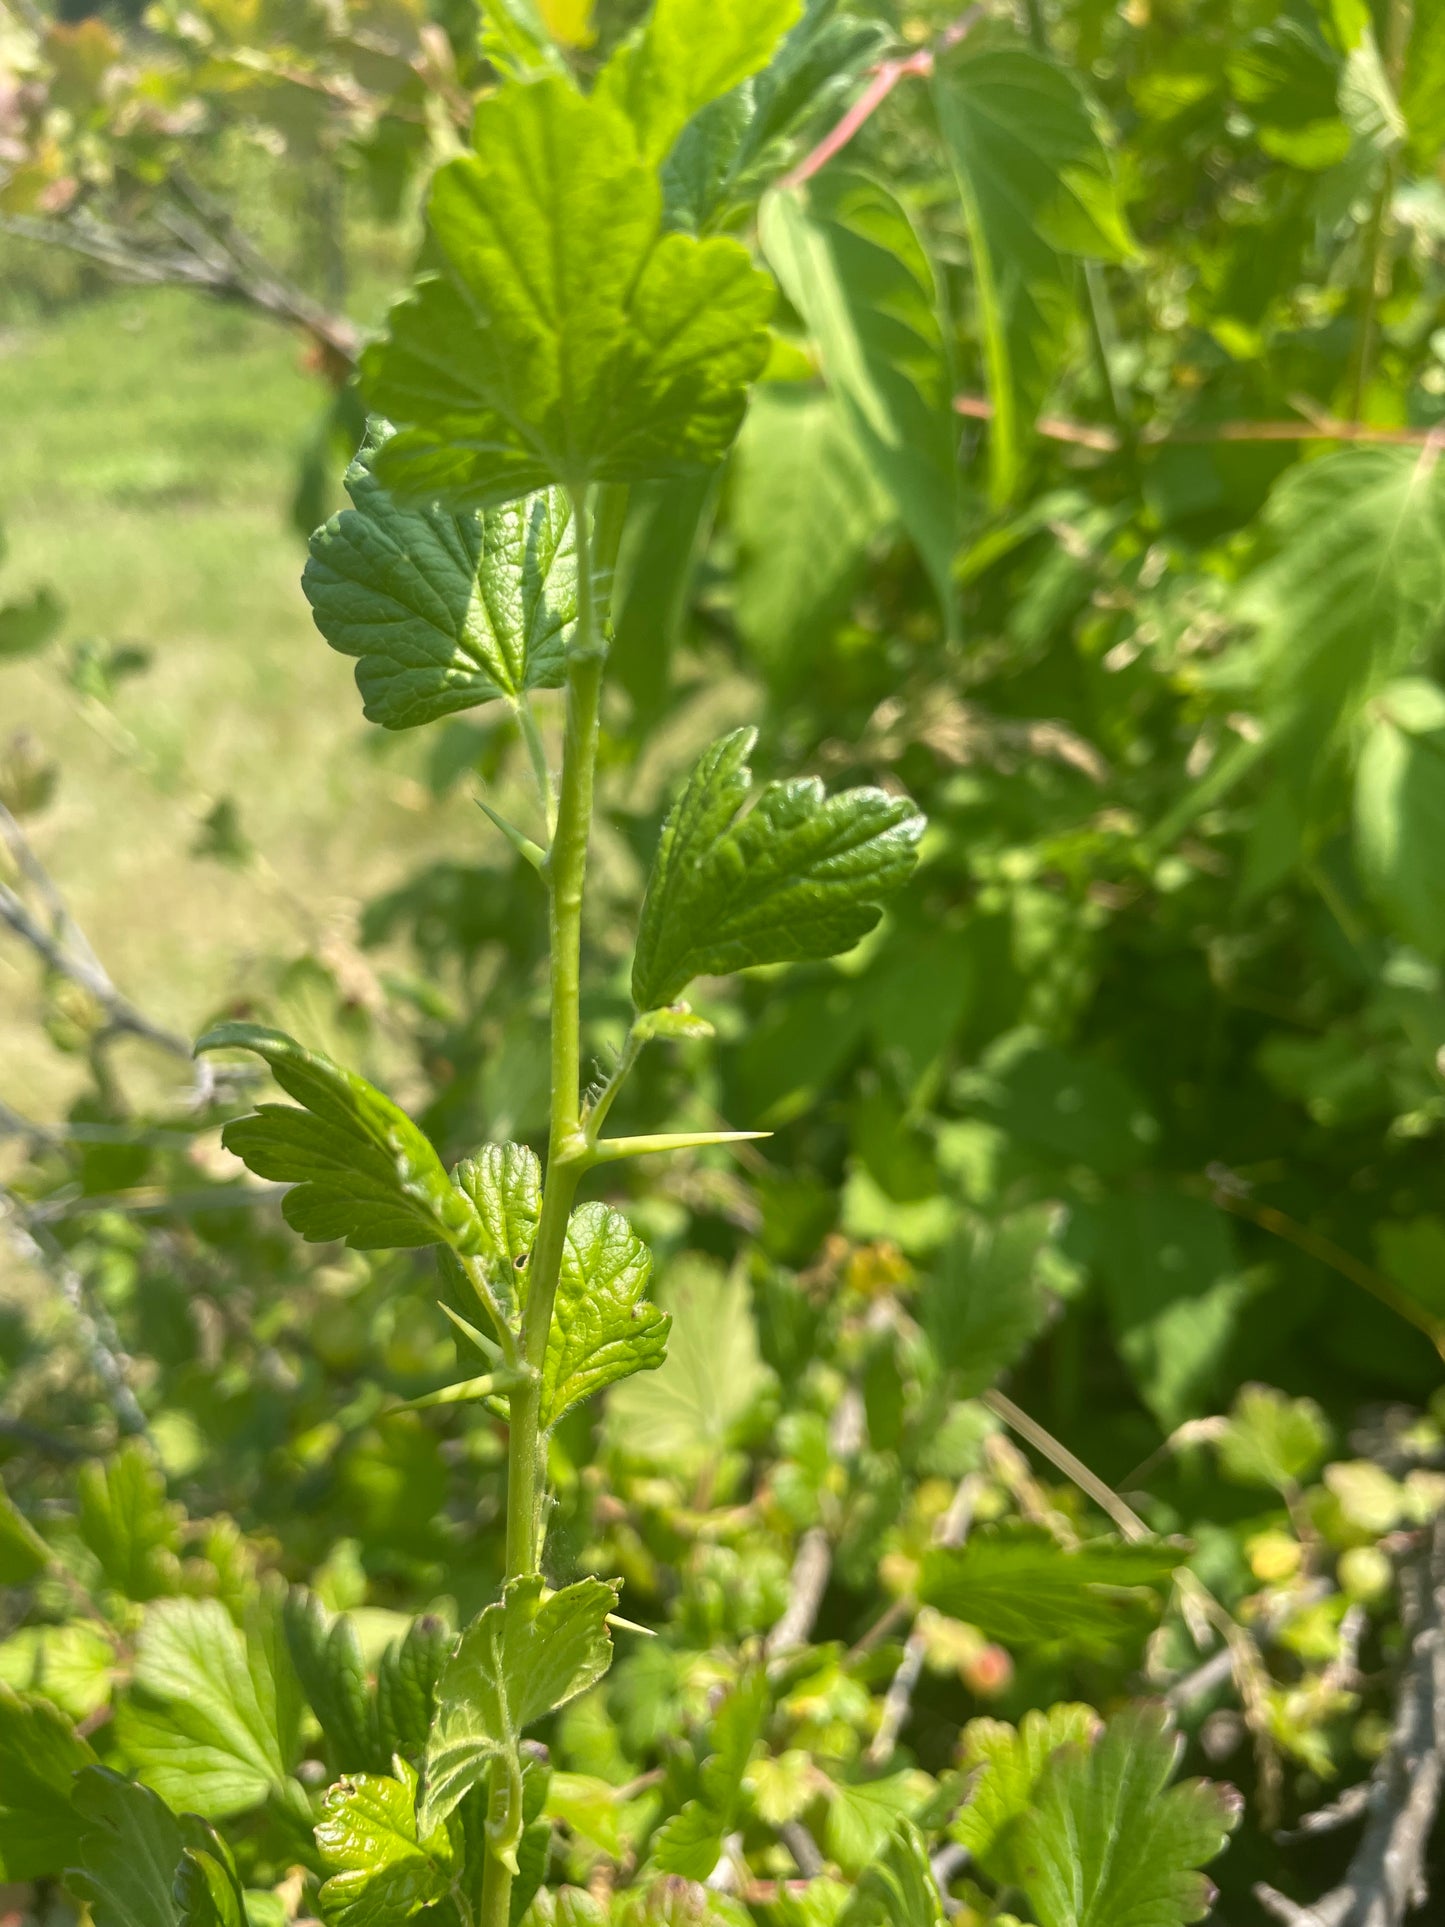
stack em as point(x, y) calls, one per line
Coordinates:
point(563, 339)
point(39, 1754)
point(27, 626)
point(985, 1299)
point(443, 611)
point(326, 1654)
point(800, 876)
point(602, 1328)
point(1024, 1589)
point(1106, 1843)
point(361, 1168)
point(207, 1890)
point(1400, 810)
point(126, 1853)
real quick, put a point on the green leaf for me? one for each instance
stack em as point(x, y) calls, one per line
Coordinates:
point(208, 1891)
point(851, 264)
point(563, 338)
point(40, 1753)
point(1106, 1843)
point(362, 1170)
point(1175, 1293)
point(1273, 1440)
point(212, 1717)
point(23, 1553)
point(805, 511)
point(382, 1868)
point(691, 1841)
point(1038, 190)
point(985, 1299)
point(687, 53)
point(126, 1522)
point(504, 1182)
point(602, 1328)
point(898, 1888)
point(1022, 1588)
point(864, 1816)
point(518, 1660)
point(515, 40)
point(1353, 589)
point(73, 1665)
point(406, 1680)
point(1005, 1763)
point(126, 1852)
point(683, 1416)
point(327, 1656)
point(1400, 810)
point(26, 627)
point(800, 876)
point(443, 611)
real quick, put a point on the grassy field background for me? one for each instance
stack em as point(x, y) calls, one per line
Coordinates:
point(150, 453)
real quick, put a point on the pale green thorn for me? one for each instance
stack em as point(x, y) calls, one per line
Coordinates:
point(463, 1392)
point(532, 852)
point(488, 1347)
point(612, 1148)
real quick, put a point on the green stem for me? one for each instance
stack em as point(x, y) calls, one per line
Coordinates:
point(568, 1153)
point(1375, 242)
point(537, 753)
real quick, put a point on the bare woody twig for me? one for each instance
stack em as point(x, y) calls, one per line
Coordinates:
point(1386, 1878)
point(813, 1561)
point(952, 1529)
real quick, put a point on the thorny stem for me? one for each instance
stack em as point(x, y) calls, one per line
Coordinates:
point(568, 1153)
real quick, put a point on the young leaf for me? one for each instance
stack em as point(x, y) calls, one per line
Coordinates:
point(327, 1657)
point(23, 1553)
point(362, 1170)
point(690, 1843)
point(563, 338)
point(690, 52)
point(517, 1660)
point(851, 264)
point(1037, 190)
point(211, 1719)
point(382, 1867)
point(800, 876)
point(1023, 1589)
point(126, 1853)
point(864, 1815)
point(504, 1182)
point(406, 1680)
point(1273, 1440)
point(602, 1328)
point(39, 1755)
point(1005, 1764)
point(985, 1301)
point(1106, 1843)
point(443, 611)
point(898, 1888)
point(126, 1522)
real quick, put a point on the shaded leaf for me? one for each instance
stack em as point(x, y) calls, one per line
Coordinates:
point(1037, 190)
point(1106, 1845)
point(40, 1753)
point(800, 876)
point(362, 1170)
point(326, 1654)
point(23, 1553)
point(1022, 1588)
point(985, 1299)
point(517, 1660)
point(852, 265)
point(128, 1525)
point(563, 338)
point(26, 627)
point(690, 1842)
point(1273, 1440)
point(443, 611)
point(602, 1328)
point(1400, 810)
point(898, 1888)
point(127, 1852)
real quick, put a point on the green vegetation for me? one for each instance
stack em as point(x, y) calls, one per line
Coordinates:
point(838, 1320)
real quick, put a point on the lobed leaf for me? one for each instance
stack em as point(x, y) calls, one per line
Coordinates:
point(382, 1866)
point(127, 1524)
point(504, 1183)
point(1005, 1763)
point(985, 1299)
point(687, 53)
point(207, 1890)
point(690, 1843)
point(212, 1718)
point(1022, 1588)
point(801, 876)
point(1106, 1845)
point(563, 337)
point(443, 611)
point(602, 1328)
point(326, 1654)
point(361, 1169)
point(519, 1659)
point(128, 1851)
point(898, 1888)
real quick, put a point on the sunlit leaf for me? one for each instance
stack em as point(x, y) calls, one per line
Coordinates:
point(1005, 1763)
point(1022, 1588)
point(690, 1843)
point(687, 53)
point(381, 1868)
point(603, 1329)
point(40, 1752)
